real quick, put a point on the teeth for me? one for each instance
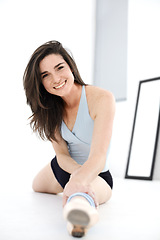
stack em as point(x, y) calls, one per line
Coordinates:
point(60, 86)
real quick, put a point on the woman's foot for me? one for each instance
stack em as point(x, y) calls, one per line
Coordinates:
point(80, 216)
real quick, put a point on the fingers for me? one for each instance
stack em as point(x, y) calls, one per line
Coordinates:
point(92, 194)
point(71, 188)
point(65, 198)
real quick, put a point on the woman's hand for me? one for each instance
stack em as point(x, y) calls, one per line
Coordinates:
point(73, 186)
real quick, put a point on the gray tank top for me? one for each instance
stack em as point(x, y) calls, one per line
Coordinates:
point(79, 139)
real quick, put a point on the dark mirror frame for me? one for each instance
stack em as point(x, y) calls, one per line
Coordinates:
point(127, 176)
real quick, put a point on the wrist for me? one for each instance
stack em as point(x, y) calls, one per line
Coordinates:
point(76, 170)
point(78, 178)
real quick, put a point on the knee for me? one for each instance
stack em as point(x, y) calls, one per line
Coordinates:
point(108, 194)
point(35, 185)
point(102, 190)
point(39, 183)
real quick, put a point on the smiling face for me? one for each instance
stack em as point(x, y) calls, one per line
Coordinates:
point(57, 77)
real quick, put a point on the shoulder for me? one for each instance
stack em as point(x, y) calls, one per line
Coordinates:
point(97, 92)
point(99, 100)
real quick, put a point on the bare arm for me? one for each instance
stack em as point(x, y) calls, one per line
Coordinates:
point(103, 123)
point(63, 157)
point(104, 110)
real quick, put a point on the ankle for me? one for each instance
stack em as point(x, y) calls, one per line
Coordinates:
point(83, 196)
point(80, 198)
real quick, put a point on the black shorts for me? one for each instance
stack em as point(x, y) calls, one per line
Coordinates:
point(63, 176)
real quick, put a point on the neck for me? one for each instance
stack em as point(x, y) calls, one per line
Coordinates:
point(73, 97)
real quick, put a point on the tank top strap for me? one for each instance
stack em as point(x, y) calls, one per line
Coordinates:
point(83, 112)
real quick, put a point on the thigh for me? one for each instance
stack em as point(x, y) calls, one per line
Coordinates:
point(46, 182)
point(101, 189)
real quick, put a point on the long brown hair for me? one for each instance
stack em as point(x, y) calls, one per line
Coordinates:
point(47, 108)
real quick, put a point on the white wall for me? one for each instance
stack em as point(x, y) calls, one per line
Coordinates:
point(27, 24)
point(143, 63)
point(156, 175)
point(110, 68)
point(24, 25)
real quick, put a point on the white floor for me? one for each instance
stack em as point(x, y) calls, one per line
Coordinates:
point(132, 213)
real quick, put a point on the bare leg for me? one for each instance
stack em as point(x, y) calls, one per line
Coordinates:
point(80, 215)
point(46, 182)
point(102, 190)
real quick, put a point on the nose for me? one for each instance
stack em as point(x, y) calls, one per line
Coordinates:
point(55, 79)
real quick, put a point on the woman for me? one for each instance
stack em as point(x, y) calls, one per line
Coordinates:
point(77, 119)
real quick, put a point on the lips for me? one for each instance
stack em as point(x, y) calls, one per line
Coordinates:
point(60, 85)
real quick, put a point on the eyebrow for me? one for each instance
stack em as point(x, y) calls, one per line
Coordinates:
point(54, 67)
point(58, 65)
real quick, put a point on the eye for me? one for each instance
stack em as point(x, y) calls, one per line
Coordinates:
point(45, 75)
point(59, 68)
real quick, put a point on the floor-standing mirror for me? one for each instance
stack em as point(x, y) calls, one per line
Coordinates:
point(144, 135)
